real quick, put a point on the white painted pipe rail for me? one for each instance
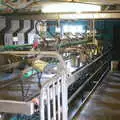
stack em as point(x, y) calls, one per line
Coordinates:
point(53, 93)
point(53, 99)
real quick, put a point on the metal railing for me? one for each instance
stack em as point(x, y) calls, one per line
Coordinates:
point(53, 100)
point(53, 92)
point(53, 95)
point(87, 68)
point(85, 79)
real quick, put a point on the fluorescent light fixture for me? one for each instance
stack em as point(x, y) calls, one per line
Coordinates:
point(69, 7)
point(73, 28)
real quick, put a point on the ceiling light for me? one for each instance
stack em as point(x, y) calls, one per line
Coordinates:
point(69, 7)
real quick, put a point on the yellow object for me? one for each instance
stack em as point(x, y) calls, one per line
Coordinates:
point(39, 65)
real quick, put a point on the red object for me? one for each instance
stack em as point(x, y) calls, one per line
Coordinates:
point(35, 44)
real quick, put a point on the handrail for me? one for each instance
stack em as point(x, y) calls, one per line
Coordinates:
point(40, 54)
point(73, 78)
point(81, 87)
point(94, 88)
point(56, 86)
point(91, 92)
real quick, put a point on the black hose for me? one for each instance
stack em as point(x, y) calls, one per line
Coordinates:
point(39, 75)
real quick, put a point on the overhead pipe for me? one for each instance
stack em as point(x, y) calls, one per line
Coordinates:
point(67, 16)
point(100, 2)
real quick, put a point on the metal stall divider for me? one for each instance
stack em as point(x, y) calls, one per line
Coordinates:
point(54, 106)
point(53, 94)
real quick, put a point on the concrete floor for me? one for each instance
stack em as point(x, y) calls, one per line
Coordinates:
point(105, 102)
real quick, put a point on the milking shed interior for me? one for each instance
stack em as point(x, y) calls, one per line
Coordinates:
point(59, 59)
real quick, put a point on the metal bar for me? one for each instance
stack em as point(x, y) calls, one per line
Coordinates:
point(73, 43)
point(54, 102)
point(42, 105)
point(16, 107)
point(58, 96)
point(9, 66)
point(39, 53)
point(46, 86)
point(94, 88)
point(76, 74)
point(67, 16)
point(64, 99)
point(22, 89)
point(91, 92)
point(101, 2)
point(48, 103)
point(91, 16)
point(93, 30)
point(81, 87)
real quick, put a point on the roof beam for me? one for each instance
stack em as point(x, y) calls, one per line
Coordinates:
point(102, 2)
point(67, 16)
